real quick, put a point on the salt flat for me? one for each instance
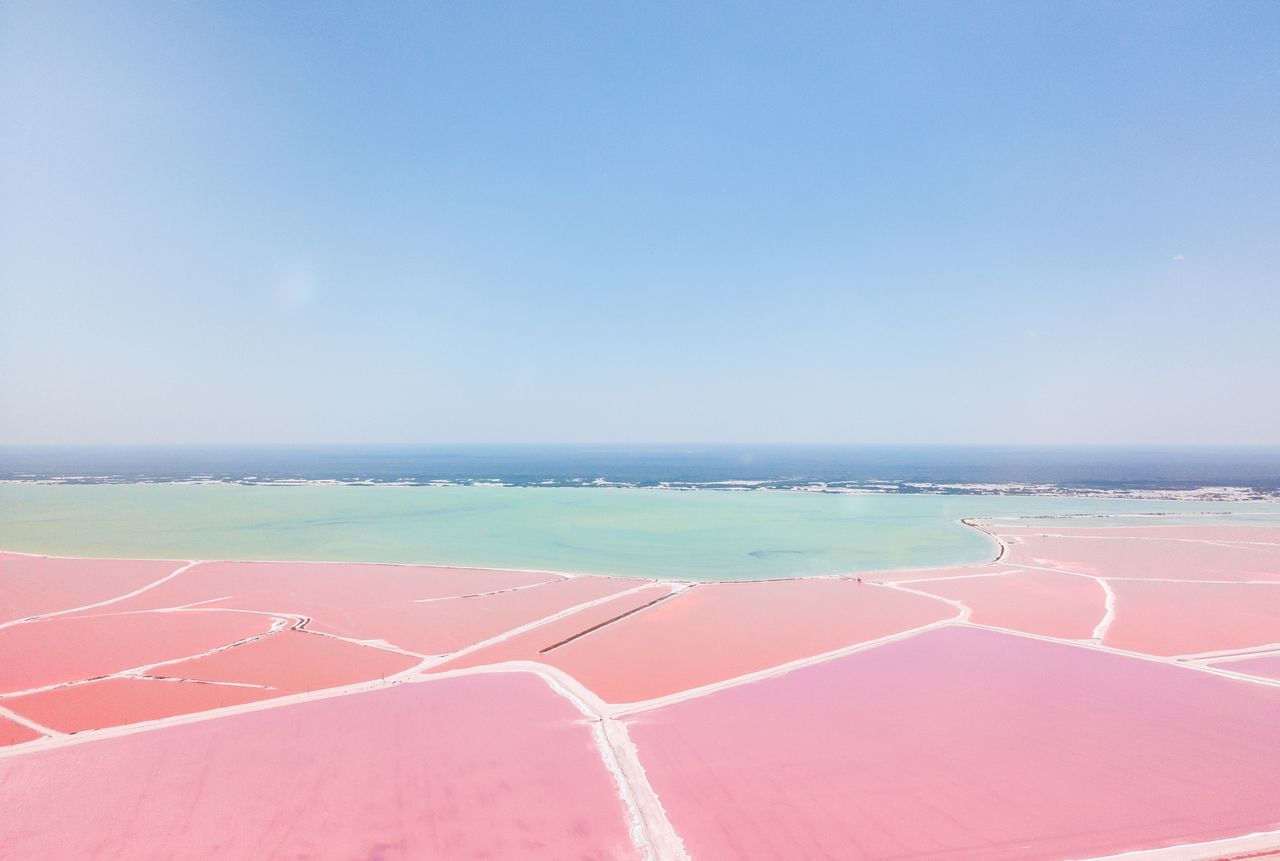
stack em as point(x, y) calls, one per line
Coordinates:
point(1058, 701)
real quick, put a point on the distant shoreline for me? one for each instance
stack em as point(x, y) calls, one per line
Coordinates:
point(865, 488)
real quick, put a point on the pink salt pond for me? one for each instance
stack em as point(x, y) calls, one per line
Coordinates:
point(489, 766)
point(1259, 535)
point(32, 585)
point(12, 732)
point(966, 743)
point(419, 608)
point(69, 648)
point(533, 644)
point(439, 627)
point(119, 701)
point(714, 632)
point(1146, 557)
point(337, 592)
point(1191, 618)
point(1263, 666)
point(911, 574)
point(292, 662)
point(1038, 602)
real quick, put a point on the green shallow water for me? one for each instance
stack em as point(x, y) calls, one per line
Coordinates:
point(704, 535)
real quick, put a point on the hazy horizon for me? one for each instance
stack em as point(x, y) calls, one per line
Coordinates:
point(1000, 224)
point(640, 444)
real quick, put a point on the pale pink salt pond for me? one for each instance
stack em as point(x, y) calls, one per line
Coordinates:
point(489, 766)
point(966, 743)
point(1263, 666)
point(714, 632)
point(69, 648)
point(935, 573)
point(119, 701)
point(1190, 618)
point(419, 608)
point(438, 627)
point(32, 585)
point(1038, 602)
point(1144, 557)
point(292, 662)
point(1207, 532)
point(531, 645)
point(337, 592)
point(12, 732)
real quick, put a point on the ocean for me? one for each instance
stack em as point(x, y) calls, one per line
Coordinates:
point(892, 469)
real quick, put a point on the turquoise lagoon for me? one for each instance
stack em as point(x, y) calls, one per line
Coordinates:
point(704, 535)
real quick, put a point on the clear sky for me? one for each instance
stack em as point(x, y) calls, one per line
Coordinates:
point(892, 222)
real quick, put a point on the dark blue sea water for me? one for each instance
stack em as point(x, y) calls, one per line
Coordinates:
point(899, 469)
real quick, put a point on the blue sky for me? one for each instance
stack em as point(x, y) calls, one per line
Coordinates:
point(947, 222)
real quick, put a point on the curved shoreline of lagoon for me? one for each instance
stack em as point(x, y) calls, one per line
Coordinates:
point(637, 533)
